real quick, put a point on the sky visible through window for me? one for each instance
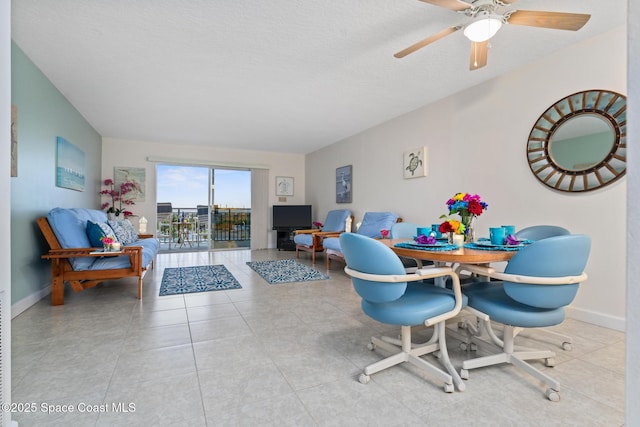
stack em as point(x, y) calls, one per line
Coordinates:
point(187, 186)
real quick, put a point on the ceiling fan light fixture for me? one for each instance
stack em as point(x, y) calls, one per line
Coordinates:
point(483, 28)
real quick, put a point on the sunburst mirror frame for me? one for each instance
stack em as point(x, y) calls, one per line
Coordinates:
point(608, 105)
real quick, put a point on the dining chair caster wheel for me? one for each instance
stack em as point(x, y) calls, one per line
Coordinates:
point(567, 346)
point(448, 388)
point(552, 395)
point(550, 362)
point(371, 346)
point(364, 378)
point(464, 374)
point(468, 346)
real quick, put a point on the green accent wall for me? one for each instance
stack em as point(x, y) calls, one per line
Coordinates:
point(43, 115)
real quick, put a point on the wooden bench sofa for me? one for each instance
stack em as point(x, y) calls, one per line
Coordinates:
point(74, 259)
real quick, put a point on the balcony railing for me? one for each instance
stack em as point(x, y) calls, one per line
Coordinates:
point(188, 227)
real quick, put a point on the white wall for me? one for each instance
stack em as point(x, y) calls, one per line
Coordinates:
point(5, 214)
point(476, 142)
point(126, 153)
point(632, 416)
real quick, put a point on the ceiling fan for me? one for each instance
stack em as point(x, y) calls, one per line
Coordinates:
point(486, 19)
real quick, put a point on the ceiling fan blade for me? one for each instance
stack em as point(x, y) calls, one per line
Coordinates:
point(428, 40)
point(457, 5)
point(508, 1)
point(553, 20)
point(479, 52)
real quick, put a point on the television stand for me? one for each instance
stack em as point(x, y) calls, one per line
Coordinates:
point(284, 239)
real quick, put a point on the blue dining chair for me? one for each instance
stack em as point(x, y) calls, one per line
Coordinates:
point(540, 232)
point(537, 283)
point(389, 296)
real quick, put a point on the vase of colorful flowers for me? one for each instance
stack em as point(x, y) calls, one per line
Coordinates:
point(468, 206)
point(121, 197)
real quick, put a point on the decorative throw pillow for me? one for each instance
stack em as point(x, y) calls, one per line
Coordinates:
point(97, 230)
point(125, 233)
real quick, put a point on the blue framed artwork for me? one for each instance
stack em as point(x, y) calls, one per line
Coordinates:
point(69, 165)
point(343, 184)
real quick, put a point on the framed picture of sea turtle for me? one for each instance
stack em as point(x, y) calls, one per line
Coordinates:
point(415, 163)
point(343, 184)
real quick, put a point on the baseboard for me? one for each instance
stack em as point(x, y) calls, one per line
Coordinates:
point(29, 300)
point(596, 318)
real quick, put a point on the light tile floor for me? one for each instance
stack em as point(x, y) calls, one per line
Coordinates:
point(278, 355)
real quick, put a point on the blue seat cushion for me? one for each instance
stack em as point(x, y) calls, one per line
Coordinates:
point(149, 249)
point(490, 298)
point(419, 302)
point(303, 239)
point(332, 243)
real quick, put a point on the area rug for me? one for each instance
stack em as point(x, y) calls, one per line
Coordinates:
point(285, 271)
point(187, 280)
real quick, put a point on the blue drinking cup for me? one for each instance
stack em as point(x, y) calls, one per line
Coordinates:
point(497, 235)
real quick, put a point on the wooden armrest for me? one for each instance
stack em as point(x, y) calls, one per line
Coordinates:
point(88, 252)
point(328, 233)
point(145, 236)
point(311, 231)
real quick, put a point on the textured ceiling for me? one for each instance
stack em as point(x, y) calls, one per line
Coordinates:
point(278, 75)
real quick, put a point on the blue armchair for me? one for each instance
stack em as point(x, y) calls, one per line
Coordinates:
point(311, 240)
point(371, 225)
point(388, 297)
point(538, 282)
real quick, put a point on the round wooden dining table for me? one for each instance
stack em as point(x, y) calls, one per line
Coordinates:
point(459, 256)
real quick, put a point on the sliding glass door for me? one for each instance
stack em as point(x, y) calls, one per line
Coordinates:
point(201, 208)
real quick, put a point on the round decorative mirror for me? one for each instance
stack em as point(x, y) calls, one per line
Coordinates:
point(580, 142)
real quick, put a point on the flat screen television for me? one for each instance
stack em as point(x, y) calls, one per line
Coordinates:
point(291, 216)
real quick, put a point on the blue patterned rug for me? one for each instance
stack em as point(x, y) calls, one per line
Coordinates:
point(285, 271)
point(187, 280)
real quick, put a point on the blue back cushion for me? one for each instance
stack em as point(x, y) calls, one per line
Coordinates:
point(373, 222)
point(336, 220)
point(552, 257)
point(366, 255)
point(70, 228)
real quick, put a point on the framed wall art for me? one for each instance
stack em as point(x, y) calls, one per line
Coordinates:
point(135, 175)
point(344, 188)
point(284, 186)
point(69, 165)
point(415, 163)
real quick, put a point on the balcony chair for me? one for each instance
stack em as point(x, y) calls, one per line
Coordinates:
point(202, 227)
point(538, 282)
point(372, 223)
point(164, 213)
point(388, 297)
point(311, 240)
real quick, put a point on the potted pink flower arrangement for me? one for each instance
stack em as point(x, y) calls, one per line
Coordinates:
point(121, 197)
